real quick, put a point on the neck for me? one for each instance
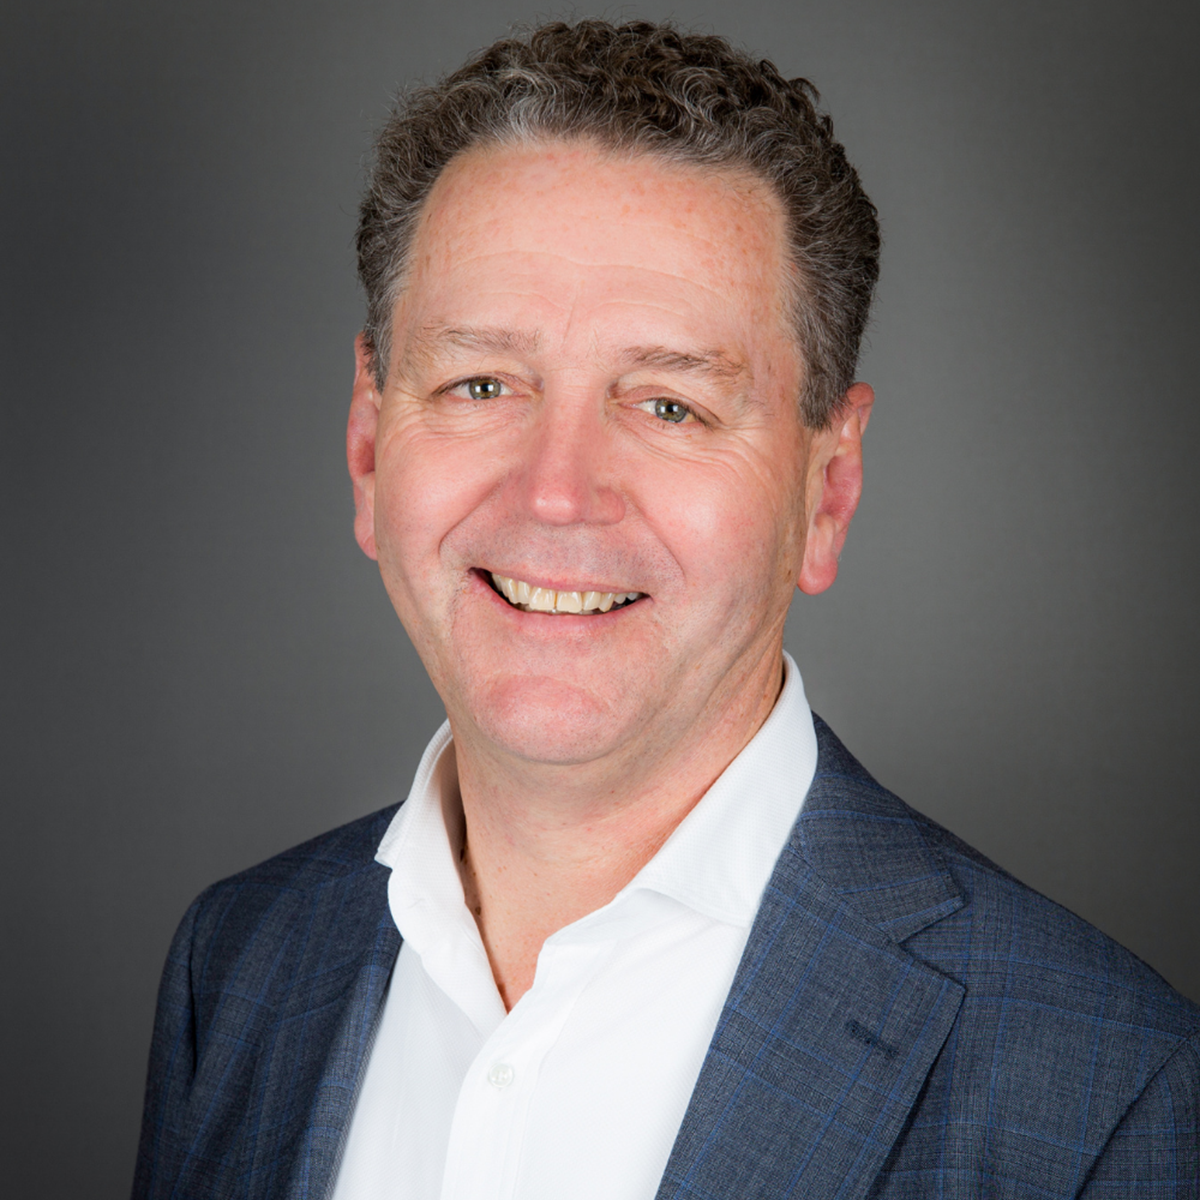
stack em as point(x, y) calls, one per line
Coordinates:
point(543, 845)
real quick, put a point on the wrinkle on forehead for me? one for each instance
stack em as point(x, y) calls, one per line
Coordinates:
point(546, 224)
point(635, 185)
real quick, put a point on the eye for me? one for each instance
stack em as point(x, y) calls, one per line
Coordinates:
point(483, 388)
point(673, 411)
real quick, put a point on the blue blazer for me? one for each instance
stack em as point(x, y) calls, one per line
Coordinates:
point(907, 1021)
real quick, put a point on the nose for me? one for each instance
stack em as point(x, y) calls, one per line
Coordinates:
point(566, 476)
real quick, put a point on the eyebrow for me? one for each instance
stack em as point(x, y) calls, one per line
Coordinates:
point(715, 364)
point(712, 364)
point(490, 338)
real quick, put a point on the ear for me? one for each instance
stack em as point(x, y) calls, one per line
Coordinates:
point(360, 445)
point(834, 487)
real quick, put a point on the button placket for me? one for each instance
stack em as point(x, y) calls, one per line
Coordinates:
point(489, 1129)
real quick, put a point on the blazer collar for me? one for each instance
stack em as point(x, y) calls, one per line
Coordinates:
point(870, 847)
point(831, 1026)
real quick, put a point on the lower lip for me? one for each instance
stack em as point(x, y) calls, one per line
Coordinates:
point(567, 621)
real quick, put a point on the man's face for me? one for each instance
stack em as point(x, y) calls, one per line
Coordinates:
point(593, 392)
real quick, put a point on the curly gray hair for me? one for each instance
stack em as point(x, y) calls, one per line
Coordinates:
point(649, 88)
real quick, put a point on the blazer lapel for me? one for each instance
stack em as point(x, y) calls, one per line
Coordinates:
point(830, 1027)
point(333, 1101)
point(322, 1034)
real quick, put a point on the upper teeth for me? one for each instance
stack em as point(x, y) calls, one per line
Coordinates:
point(535, 599)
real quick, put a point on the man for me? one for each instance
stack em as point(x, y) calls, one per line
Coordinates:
point(643, 926)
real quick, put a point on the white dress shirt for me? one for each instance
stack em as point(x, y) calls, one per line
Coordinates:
point(579, 1091)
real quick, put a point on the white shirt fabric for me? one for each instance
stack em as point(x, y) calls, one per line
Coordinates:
point(579, 1091)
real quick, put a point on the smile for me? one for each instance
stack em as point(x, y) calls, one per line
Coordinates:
point(528, 598)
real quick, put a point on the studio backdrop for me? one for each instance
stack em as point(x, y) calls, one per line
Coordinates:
point(200, 668)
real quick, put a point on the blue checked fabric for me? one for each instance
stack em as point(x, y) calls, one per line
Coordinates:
point(907, 1021)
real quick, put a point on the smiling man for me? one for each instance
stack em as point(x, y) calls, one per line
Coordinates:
point(643, 927)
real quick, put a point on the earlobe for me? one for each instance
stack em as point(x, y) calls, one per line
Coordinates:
point(360, 445)
point(835, 486)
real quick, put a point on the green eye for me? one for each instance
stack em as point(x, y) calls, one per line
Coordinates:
point(670, 410)
point(483, 389)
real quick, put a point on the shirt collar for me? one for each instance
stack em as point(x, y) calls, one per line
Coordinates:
point(720, 857)
point(717, 861)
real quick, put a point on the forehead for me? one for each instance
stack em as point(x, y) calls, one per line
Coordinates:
point(559, 233)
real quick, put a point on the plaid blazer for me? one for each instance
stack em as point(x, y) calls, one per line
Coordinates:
point(907, 1021)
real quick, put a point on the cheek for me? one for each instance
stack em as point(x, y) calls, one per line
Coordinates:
point(732, 526)
point(425, 486)
point(744, 509)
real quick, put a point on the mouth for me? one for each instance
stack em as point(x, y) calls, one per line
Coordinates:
point(529, 598)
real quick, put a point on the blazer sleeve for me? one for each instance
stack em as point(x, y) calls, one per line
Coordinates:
point(172, 1064)
point(1155, 1150)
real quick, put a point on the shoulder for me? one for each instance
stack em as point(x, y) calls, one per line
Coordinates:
point(1069, 1054)
point(327, 857)
point(253, 996)
point(1088, 1059)
point(1001, 936)
point(1047, 960)
point(272, 911)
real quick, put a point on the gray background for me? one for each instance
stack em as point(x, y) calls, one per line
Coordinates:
point(200, 669)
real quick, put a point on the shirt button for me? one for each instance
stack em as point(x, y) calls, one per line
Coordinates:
point(501, 1075)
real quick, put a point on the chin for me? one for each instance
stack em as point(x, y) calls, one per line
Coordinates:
point(546, 720)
